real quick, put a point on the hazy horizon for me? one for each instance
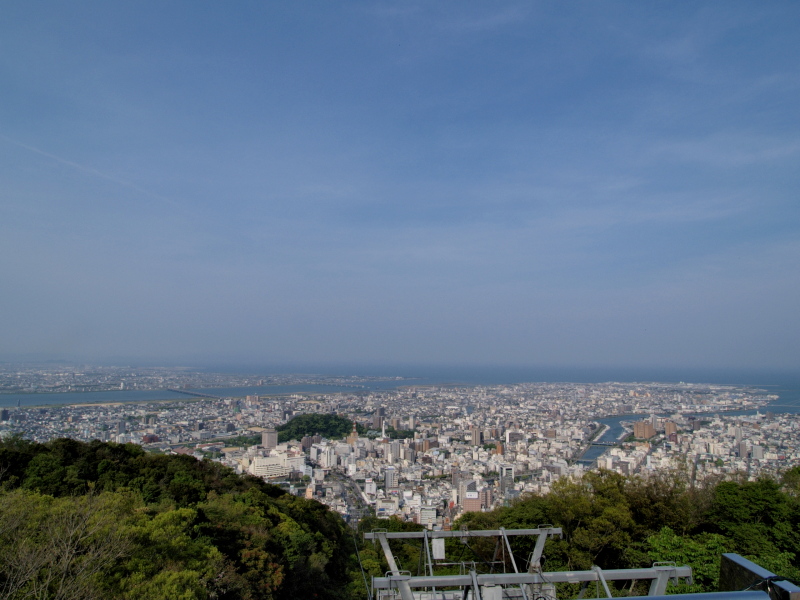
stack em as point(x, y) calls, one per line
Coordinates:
point(608, 186)
point(472, 373)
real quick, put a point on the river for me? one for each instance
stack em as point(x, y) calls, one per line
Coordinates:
point(788, 402)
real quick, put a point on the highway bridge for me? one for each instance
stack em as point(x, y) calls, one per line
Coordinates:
point(196, 394)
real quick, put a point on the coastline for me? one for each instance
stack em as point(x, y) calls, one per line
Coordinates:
point(778, 400)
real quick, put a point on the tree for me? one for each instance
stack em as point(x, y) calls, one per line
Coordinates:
point(54, 548)
point(757, 515)
point(330, 426)
point(703, 553)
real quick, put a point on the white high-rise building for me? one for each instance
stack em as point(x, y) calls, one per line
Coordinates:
point(391, 478)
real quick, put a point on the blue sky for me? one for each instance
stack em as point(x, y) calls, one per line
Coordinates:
point(588, 184)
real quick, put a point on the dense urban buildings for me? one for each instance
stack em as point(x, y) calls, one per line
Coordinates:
point(431, 453)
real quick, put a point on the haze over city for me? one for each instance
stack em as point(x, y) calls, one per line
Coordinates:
point(599, 185)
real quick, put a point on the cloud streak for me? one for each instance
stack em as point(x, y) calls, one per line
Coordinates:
point(86, 170)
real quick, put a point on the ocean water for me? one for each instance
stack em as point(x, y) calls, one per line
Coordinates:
point(785, 385)
point(497, 375)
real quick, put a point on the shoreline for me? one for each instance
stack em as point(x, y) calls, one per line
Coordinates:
point(33, 400)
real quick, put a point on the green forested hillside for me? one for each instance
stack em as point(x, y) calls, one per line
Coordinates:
point(108, 521)
point(329, 426)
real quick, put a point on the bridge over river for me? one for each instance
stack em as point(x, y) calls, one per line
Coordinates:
point(196, 394)
point(611, 437)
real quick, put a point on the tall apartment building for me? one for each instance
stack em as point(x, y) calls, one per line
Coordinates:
point(470, 497)
point(477, 436)
point(391, 478)
point(643, 430)
point(269, 438)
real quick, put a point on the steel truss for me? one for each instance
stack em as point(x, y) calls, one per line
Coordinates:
point(531, 585)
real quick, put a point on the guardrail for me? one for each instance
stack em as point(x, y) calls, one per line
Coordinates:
point(738, 573)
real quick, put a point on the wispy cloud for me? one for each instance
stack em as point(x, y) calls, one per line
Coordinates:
point(729, 150)
point(491, 21)
point(91, 171)
point(444, 17)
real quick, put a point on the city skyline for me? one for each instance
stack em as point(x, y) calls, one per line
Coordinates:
point(603, 186)
point(458, 448)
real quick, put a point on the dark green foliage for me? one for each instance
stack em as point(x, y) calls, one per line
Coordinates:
point(329, 426)
point(191, 529)
point(791, 482)
point(758, 517)
point(399, 434)
point(66, 467)
point(243, 440)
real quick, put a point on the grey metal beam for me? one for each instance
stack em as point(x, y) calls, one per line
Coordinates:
point(430, 560)
point(508, 546)
point(402, 585)
point(658, 586)
point(534, 578)
point(459, 533)
point(476, 589)
point(514, 561)
point(602, 579)
point(536, 557)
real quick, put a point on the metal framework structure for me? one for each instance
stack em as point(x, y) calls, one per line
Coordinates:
point(533, 584)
